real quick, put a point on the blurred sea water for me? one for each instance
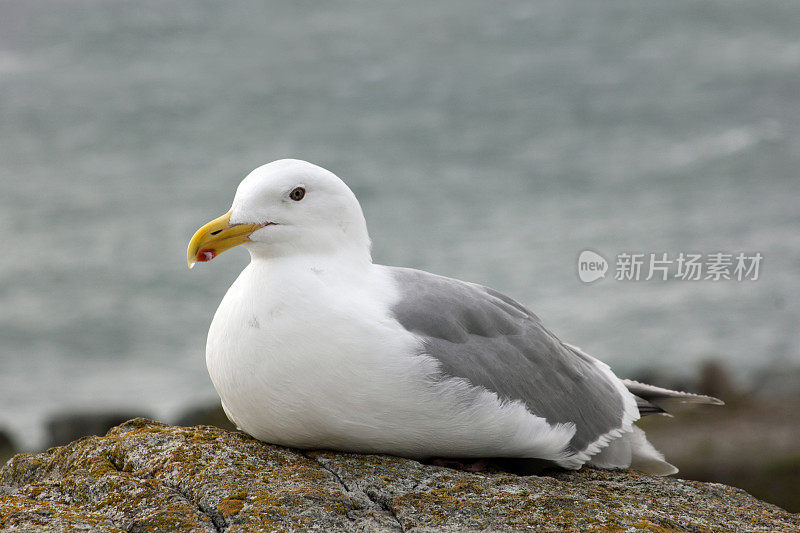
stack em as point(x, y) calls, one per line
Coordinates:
point(488, 141)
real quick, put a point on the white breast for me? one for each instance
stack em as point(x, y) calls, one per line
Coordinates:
point(307, 355)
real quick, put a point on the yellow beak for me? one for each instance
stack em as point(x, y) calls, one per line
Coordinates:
point(216, 237)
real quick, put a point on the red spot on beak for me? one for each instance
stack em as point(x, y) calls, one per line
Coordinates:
point(207, 254)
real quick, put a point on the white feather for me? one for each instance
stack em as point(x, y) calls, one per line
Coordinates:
point(306, 355)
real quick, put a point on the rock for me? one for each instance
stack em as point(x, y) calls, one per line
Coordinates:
point(716, 381)
point(209, 415)
point(753, 446)
point(779, 380)
point(146, 476)
point(8, 448)
point(66, 427)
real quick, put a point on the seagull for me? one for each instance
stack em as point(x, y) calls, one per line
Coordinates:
point(314, 346)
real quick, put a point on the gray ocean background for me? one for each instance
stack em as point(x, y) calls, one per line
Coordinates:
point(488, 141)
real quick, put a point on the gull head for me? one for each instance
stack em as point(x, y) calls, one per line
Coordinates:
point(287, 207)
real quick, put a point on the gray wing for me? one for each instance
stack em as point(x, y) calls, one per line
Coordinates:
point(480, 335)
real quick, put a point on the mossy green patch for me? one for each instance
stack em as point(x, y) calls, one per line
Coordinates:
point(145, 475)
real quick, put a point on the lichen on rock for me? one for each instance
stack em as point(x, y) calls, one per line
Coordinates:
point(147, 476)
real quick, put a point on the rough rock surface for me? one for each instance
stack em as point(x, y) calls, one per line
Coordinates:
point(146, 476)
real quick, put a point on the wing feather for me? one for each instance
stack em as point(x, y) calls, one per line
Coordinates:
point(489, 339)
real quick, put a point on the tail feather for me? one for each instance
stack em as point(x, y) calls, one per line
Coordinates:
point(652, 399)
point(633, 450)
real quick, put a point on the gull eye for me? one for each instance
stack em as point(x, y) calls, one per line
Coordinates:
point(297, 194)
